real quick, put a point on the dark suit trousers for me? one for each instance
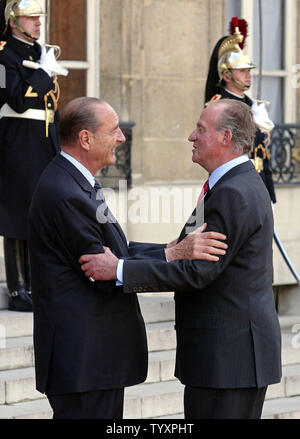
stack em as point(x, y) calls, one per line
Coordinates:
point(207, 403)
point(99, 404)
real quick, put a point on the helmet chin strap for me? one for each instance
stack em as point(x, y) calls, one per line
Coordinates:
point(236, 81)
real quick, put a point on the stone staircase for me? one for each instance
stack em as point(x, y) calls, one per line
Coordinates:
point(161, 396)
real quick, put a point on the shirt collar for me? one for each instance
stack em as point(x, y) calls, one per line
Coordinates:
point(234, 94)
point(87, 174)
point(223, 169)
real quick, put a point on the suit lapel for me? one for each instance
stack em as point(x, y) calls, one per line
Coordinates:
point(86, 186)
point(72, 170)
point(120, 231)
point(196, 219)
point(117, 226)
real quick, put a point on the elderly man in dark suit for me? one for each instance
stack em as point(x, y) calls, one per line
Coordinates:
point(228, 335)
point(89, 337)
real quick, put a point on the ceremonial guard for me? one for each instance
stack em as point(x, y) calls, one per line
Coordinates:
point(229, 77)
point(28, 134)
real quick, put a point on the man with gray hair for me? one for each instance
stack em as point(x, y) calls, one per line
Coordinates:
point(228, 334)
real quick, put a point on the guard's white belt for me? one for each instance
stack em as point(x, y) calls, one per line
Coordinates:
point(31, 113)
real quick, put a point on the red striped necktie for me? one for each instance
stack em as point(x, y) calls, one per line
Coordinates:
point(203, 191)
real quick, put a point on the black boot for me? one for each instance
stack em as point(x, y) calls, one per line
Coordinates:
point(17, 274)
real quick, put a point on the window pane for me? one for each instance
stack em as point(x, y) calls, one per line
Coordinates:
point(71, 86)
point(272, 34)
point(272, 91)
point(233, 10)
point(68, 28)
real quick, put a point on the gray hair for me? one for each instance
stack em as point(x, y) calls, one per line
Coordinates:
point(79, 114)
point(237, 118)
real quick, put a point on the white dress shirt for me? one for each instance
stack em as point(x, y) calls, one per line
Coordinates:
point(223, 169)
point(88, 175)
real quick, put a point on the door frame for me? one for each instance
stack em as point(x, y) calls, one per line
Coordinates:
point(92, 64)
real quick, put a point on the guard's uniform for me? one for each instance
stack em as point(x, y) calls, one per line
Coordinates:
point(260, 151)
point(28, 142)
point(25, 148)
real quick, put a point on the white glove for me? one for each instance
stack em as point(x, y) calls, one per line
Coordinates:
point(49, 64)
point(46, 61)
point(261, 117)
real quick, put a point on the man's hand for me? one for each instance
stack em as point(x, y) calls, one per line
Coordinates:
point(198, 245)
point(102, 266)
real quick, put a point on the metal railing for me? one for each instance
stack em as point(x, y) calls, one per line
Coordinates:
point(284, 150)
point(121, 170)
point(285, 153)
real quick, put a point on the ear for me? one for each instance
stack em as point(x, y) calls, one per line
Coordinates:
point(227, 137)
point(12, 24)
point(84, 139)
point(225, 78)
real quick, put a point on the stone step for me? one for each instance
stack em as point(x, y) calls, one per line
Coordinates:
point(154, 309)
point(161, 336)
point(176, 416)
point(158, 308)
point(3, 295)
point(289, 385)
point(152, 400)
point(16, 324)
point(2, 264)
point(145, 401)
point(38, 409)
point(288, 322)
point(136, 406)
point(156, 400)
point(161, 366)
point(17, 353)
point(282, 408)
point(290, 348)
point(17, 385)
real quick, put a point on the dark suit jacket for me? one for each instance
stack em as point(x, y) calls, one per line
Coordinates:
point(228, 335)
point(87, 336)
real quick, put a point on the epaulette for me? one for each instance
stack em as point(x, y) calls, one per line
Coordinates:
point(2, 44)
point(215, 98)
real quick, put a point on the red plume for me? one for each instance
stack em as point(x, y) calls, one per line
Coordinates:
point(233, 24)
point(243, 27)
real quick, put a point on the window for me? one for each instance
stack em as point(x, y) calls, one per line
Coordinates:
point(278, 52)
